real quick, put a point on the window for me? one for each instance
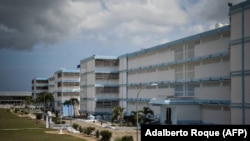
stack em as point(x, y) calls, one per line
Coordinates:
point(65, 74)
point(59, 94)
point(178, 72)
point(191, 89)
point(99, 62)
point(106, 104)
point(189, 50)
point(178, 89)
point(104, 90)
point(189, 70)
point(70, 84)
point(106, 76)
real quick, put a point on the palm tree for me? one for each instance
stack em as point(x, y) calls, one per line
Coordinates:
point(46, 98)
point(133, 117)
point(67, 103)
point(28, 100)
point(117, 113)
point(146, 112)
point(74, 101)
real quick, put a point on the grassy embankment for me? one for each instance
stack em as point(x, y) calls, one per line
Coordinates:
point(14, 128)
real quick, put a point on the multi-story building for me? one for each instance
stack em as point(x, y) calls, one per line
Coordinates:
point(39, 85)
point(13, 98)
point(192, 76)
point(99, 84)
point(239, 63)
point(200, 79)
point(66, 86)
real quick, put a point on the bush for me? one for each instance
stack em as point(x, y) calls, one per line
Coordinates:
point(81, 129)
point(127, 138)
point(59, 122)
point(89, 130)
point(16, 110)
point(76, 126)
point(97, 134)
point(55, 119)
point(106, 135)
point(39, 116)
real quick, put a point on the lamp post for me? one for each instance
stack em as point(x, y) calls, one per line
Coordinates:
point(138, 93)
point(61, 114)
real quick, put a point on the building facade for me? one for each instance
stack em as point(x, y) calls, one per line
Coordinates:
point(99, 84)
point(240, 66)
point(200, 79)
point(39, 85)
point(64, 86)
point(14, 97)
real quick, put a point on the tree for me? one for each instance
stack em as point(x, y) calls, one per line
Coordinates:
point(117, 113)
point(67, 103)
point(29, 100)
point(146, 113)
point(74, 101)
point(133, 117)
point(46, 98)
point(106, 135)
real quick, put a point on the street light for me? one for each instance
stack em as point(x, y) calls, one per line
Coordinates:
point(61, 114)
point(137, 128)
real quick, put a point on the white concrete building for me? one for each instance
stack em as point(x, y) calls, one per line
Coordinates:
point(192, 74)
point(66, 86)
point(99, 84)
point(201, 79)
point(13, 97)
point(239, 63)
point(39, 85)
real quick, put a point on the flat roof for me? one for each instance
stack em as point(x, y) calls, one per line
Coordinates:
point(104, 57)
point(15, 93)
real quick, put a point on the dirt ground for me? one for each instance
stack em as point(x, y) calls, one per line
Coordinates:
point(115, 132)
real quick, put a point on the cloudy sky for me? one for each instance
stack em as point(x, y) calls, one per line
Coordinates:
point(38, 37)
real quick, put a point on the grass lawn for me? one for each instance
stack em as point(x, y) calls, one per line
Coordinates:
point(14, 128)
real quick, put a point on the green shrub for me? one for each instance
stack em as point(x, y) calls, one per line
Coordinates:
point(80, 129)
point(97, 134)
point(89, 130)
point(76, 126)
point(59, 122)
point(55, 119)
point(106, 135)
point(16, 110)
point(39, 116)
point(127, 138)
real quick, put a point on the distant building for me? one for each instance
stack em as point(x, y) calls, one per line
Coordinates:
point(39, 85)
point(99, 84)
point(64, 85)
point(14, 97)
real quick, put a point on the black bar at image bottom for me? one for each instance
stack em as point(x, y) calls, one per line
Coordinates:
point(195, 132)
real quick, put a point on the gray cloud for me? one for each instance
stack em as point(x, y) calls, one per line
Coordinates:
point(26, 23)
